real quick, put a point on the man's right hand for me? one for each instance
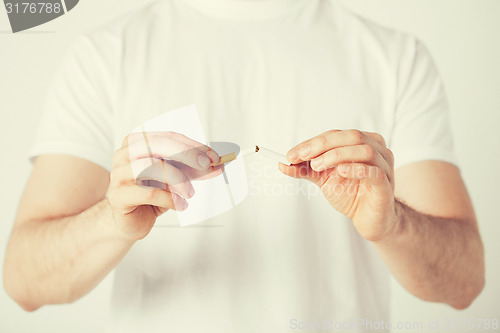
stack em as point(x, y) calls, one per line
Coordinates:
point(68, 235)
point(151, 174)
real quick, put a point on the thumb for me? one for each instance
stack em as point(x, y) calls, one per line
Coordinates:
point(304, 171)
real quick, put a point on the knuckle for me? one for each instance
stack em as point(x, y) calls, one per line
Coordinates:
point(113, 178)
point(322, 140)
point(336, 155)
point(369, 152)
point(125, 181)
point(330, 132)
point(119, 155)
point(357, 136)
point(153, 195)
point(118, 180)
point(379, 138)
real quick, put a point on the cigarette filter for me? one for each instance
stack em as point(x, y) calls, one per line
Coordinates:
point(226, 158)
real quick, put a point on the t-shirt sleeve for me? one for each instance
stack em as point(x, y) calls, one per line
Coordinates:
point(78, 113)
point(422, 122)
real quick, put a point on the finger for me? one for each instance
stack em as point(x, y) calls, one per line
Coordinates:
point(304, 171)
point(195, 174)
point(361, 153)
point(360, 171)
point(184, 139)
point(173, 146)
point(127, 199)
point(121, 157)
point(377, 138)
point(139, 136)
point(163, 147)
point(168, 177)
point(382, 147)
point(316, 146)
point(313, 147)
point(160, 173)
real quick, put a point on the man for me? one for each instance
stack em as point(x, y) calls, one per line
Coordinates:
point(362, 108)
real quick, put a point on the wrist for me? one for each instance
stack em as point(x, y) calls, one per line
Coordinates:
point(112, 228)
point(394, 223)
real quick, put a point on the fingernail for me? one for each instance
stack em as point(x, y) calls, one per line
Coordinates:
point(304, 151)
point(203, 161)
point(191, 192)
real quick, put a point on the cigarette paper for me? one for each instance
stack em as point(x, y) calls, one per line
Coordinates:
point(248, 151)
point(272, 154)
point(226, 158)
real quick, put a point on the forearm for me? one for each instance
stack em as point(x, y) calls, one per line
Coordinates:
point(58, 261)
point(436, 259)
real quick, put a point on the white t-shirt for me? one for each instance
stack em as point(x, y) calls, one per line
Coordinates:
point(268, 72)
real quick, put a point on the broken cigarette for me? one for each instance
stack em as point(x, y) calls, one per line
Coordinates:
point(263, 151)
point(272, 155)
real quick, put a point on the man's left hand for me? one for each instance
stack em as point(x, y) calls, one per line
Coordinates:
point(355, 171)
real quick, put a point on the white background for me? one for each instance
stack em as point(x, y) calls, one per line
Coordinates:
point(462, 35)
